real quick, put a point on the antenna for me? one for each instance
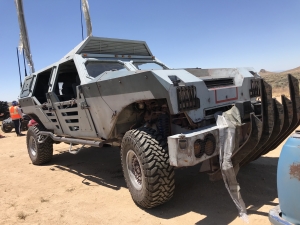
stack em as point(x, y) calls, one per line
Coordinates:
point(84, 9)
point(19, 68)
point(81, 19)
point(24, 63)
point(24, 39)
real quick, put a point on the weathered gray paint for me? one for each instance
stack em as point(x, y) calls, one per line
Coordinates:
point(112, 91)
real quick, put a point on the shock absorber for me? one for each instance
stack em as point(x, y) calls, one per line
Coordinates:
point(163, 125)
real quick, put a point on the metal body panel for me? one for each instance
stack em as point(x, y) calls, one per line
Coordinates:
point(186, 157)
point(104, 109)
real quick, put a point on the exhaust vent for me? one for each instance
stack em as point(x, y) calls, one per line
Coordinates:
point(221, 82)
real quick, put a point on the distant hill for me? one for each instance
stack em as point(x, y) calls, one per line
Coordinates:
point(279, 80)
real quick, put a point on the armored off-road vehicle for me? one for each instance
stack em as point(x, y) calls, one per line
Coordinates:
point(117, 91)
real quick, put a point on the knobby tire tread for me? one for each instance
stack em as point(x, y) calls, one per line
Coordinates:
point(44, 150)
point(158, 171)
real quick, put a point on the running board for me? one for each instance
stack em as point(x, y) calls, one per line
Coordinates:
point(69, 140)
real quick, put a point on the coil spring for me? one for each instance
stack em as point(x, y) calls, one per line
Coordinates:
point(163, 125)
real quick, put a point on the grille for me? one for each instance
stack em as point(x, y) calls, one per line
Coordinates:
point(187, 98)
point(221, 82)
point(254, 91)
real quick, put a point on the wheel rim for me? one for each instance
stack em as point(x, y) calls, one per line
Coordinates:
point(134, 169)
point(32, 146)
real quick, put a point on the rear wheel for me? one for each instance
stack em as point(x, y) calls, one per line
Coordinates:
point(6, 129)
point(147, 171)
point(39, 153)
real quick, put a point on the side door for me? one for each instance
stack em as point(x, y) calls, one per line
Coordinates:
point(68, 105)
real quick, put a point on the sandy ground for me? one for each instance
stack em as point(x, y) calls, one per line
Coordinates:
point(88, 188)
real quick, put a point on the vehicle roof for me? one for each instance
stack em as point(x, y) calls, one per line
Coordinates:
point(100, 45)
point(105, 46)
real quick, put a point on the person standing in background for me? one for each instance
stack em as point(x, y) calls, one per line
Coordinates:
point(16, 116)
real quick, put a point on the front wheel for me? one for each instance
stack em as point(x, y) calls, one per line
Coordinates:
point(39, 153)
point(147, 171)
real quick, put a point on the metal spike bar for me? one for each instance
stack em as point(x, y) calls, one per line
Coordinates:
point(278, 124)
point(292, 107)
point(251, 143)
point(267, 121)
point(243, 151)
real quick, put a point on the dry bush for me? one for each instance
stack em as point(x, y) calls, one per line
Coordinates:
point(44, 200)
point(21, 215)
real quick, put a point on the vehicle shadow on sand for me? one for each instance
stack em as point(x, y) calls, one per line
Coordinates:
point(97, 166)
point(194, 192)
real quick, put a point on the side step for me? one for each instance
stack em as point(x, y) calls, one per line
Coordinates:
point(47, 134)
point(277, 123)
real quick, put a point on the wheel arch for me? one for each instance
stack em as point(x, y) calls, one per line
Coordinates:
point(134, 116)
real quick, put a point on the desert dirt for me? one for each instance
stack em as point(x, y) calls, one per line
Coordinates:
point(88, 188)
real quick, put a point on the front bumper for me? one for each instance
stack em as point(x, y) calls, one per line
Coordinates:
point(181, 146)
point(276, 122)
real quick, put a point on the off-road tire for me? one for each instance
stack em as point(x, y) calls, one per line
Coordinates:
point(6, 129)
point(157, 175)
point(39, 153)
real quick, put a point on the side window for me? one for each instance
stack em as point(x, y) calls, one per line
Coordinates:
point(42, 85)
point(94, 69)
point(27, 86)
point(67, 79)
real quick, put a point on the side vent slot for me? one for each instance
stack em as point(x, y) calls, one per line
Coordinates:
point(68, 106)
point(74, 128)
point(74, 113)
point(219, 82)
point(72, 121)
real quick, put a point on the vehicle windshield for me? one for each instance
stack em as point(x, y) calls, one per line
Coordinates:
point(147, 66)
point(94, 69)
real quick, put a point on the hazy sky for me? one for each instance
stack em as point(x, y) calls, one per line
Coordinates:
point(181, 33)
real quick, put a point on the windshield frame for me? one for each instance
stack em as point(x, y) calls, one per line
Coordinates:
point(148, 61)
point(95, 60)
